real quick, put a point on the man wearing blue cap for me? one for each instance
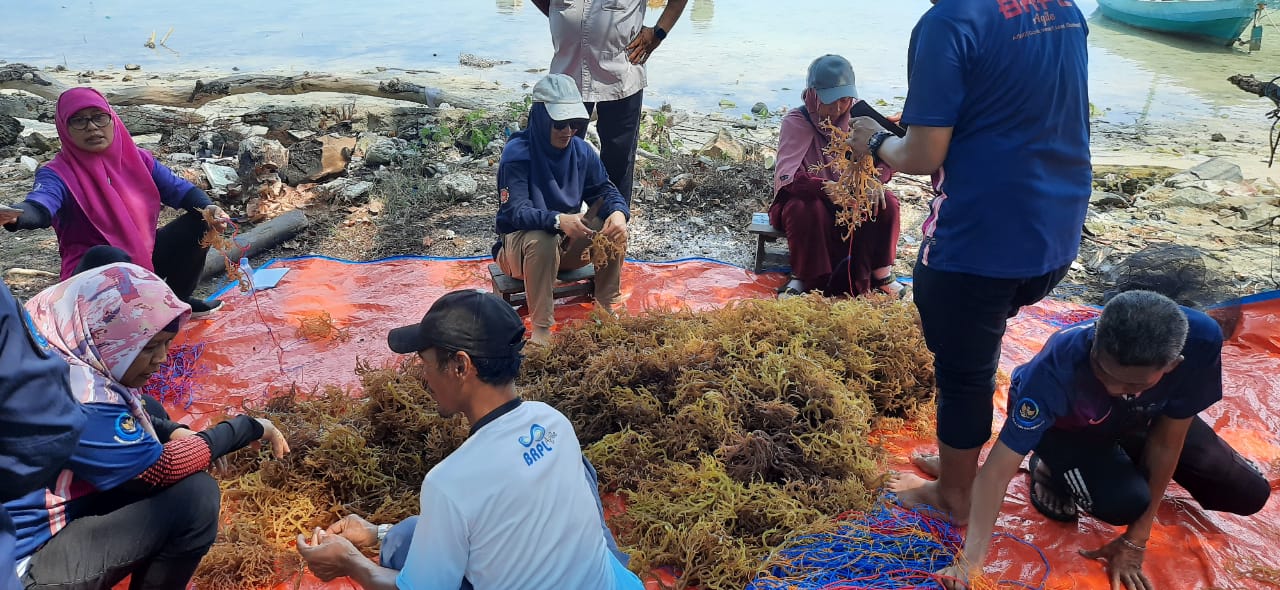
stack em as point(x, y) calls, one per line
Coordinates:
point(997, 111)
point(515, 506)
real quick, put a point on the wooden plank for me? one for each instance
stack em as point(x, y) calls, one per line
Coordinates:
point(764, 230)
point(503, 283)
point(566, 279)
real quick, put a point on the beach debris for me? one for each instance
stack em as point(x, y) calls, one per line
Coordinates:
point(723, 146)
point(1211, 169)
point(223, 180)
point(318, 159)
point(10, 130)
point(474, 61)
point(458, 186)
point(41, 144)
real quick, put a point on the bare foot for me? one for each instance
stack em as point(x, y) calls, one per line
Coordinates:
point(540, 336)
point(916, 492)
point(929, 463)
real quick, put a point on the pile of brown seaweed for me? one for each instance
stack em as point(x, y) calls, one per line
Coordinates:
point(725, 432)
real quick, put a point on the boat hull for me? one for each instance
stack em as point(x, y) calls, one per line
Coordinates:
point(1217, 22)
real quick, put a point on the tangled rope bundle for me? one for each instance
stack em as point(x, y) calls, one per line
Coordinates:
point(176, 382)
point(884, 547)
point(857, 189)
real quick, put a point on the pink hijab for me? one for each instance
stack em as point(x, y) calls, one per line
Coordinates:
point(100, 320)
point(800, 144)
point(114, 188)
point(801, 140)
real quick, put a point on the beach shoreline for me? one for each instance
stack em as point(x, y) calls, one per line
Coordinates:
point(670, 223)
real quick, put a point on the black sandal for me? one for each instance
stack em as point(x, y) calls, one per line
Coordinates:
point(1069, 511)
point(786, 290)
point(889, 280)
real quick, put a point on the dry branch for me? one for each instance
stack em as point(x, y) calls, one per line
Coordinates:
point(180, 94)
point(1250, 84)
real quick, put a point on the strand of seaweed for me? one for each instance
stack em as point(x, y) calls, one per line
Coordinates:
point(885, 547)
point(726, 433)
point(604, 249)
point(320, 326)
point(857, 190)
point(349, 455)
point(226, 246)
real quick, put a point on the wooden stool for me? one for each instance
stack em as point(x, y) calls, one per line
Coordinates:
point(569, 283)
point(764, 233)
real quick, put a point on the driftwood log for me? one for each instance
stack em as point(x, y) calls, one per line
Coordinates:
point(182, 94)
point(1264, 88)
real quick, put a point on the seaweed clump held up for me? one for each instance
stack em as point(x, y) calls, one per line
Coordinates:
point(727, 432)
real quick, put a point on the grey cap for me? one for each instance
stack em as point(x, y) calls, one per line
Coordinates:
point(832, 76)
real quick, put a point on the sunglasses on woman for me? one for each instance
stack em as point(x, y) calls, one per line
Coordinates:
point(99, 120)
point(577, 124)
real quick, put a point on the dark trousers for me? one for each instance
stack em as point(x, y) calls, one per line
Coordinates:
point(1107, 482)
point(178, 257)
point(963, 317)
point(619, 127)
point(158, 538)
point(820, 256)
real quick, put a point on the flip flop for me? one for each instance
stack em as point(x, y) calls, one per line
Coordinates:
point(1068, 512)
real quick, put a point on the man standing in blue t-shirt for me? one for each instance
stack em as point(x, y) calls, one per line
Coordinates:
point(998, 112)
point(1109, 407)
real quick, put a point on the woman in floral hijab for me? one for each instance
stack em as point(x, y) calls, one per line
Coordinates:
point(134, 497)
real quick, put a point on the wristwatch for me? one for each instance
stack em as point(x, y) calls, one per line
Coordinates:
point(659, 32)
point(556, 225)
point(382, 532)
point(877, 140)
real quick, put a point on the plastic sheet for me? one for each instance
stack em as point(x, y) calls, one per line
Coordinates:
point(251, 346)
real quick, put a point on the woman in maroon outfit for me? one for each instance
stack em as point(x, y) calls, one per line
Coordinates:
point(820, 257)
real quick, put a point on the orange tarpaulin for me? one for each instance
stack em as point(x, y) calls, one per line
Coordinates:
point(252, 347)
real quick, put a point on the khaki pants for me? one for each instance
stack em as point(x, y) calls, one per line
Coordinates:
point(536, 256)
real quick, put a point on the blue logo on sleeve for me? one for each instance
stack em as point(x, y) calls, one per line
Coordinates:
point(127, 429)
point(1027, 415)
point(40, 343)
point(538, 442)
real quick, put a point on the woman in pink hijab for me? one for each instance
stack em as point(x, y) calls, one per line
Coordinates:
point(103, 191)
point(134, 498)
point(820, 258)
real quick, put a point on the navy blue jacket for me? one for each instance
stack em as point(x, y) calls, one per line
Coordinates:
point(40, 421)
